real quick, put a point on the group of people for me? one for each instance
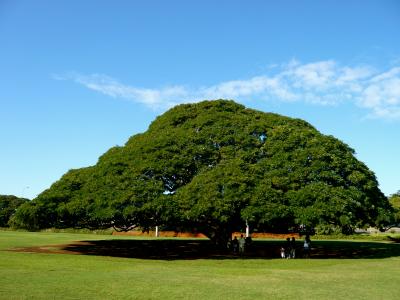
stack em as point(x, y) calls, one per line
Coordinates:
point(239, 246)
point(289, 250)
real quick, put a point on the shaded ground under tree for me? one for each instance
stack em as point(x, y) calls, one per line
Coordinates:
point(172, 249)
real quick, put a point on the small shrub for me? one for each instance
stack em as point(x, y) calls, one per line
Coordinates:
point(327, 229)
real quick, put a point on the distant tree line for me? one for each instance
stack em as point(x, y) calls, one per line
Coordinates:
point(395, 202)
point(8, 206)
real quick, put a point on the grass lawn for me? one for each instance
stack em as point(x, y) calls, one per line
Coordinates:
point(30, 275)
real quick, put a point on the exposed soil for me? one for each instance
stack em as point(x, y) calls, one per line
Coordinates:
point(54, 249)
point(256, 235)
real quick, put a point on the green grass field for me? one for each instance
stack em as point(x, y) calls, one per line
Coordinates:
point(25, 275)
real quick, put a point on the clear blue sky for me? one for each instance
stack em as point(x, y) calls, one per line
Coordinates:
point(78, 77)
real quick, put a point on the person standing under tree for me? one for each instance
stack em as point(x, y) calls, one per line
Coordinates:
point(288, 248)
point(293, 248)
point(235, 245)
point(242, 243)
point(283, 252)
point(307, 246)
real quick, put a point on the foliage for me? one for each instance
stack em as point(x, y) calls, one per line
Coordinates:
point(211, 167)
point(395, 202)
point(8, 206)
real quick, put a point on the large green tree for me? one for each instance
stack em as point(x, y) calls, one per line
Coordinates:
point(212, 167)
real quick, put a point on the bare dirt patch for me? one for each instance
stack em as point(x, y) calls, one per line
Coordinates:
point(53, 249)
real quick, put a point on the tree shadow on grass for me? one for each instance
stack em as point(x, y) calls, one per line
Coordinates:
point(355, 249)
point(176, 249)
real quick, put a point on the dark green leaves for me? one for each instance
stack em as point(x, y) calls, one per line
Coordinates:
point(211, 167)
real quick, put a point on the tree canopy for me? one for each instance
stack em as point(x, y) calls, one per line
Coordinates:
point(211, 167)
point(8, 206)
point(395, 202)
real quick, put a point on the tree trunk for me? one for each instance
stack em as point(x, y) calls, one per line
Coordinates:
point(219, 238)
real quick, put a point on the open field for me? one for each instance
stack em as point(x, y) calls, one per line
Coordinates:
point(367, 270)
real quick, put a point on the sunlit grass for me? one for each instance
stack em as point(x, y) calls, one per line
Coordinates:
point(63, 276)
